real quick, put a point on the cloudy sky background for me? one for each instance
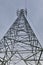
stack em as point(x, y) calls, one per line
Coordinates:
point(8, 15)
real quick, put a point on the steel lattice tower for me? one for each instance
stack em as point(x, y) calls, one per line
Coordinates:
point(20, 43)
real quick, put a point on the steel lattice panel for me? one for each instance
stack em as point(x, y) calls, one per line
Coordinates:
point(20, 43)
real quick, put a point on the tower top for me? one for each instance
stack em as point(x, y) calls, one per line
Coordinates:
point(22, 12)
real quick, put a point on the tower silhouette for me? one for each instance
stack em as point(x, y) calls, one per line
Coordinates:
point(20, 43)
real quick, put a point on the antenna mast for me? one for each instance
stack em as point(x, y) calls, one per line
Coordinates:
point(26, 6)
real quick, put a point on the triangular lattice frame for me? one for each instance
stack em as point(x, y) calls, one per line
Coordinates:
point(20, 43)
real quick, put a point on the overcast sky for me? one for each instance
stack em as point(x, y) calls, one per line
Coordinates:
point(35, 15)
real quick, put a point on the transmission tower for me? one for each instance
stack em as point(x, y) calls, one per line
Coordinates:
point(20, 43)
